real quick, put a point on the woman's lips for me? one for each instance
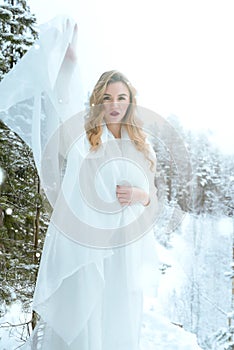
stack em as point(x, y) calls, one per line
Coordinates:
point(114, 113)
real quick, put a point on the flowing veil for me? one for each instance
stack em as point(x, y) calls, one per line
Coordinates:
point(44, 88)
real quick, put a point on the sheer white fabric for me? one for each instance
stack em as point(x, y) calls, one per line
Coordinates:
point(89, 291)
point(88, 298)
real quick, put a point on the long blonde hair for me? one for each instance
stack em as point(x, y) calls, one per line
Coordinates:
point(132, 124)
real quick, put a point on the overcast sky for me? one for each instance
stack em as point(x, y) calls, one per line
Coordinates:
point(178, 53)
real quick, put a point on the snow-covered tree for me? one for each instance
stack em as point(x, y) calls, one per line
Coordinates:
point(17, 32)
point(228, 185)
point(21, 200)
point(207, 175)
point(24, 216)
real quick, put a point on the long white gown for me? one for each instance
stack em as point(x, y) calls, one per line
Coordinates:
point(89, 287)
point(91, 298)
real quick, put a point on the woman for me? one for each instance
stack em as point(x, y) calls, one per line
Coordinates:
point(94, 301)
point(117, 95)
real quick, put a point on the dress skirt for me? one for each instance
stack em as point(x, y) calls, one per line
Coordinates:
point(99, 305)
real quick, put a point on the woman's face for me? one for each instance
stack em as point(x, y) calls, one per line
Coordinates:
point(115, 101)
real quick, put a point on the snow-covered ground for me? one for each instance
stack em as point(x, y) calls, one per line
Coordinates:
point(193, 292)
point(12, 337)
point(157, 331)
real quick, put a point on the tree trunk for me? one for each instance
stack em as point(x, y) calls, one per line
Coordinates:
point(35, 243)
point(37, 222)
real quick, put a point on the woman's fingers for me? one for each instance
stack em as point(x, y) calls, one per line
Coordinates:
point(124, 194)
point(131, 195)
point(71, 52)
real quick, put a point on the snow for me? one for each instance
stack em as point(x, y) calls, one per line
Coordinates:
point(195, 291)
point(1, 175)
point(26, 16)
point(157, 331)
point(9, 211)
point(12, 337)
point(193, 265)
point(7, 35)
point(5, 12)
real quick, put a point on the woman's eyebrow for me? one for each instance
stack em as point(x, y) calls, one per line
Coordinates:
point(118, 95)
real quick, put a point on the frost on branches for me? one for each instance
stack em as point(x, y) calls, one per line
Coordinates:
point(17, 32)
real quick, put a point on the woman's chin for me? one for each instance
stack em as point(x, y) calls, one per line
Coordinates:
point(114, 120)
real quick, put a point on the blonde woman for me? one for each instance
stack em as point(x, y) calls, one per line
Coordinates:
point(89, 291)
point(117, 97)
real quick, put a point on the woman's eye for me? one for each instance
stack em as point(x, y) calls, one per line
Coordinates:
point(106, 98)
point(122, 98)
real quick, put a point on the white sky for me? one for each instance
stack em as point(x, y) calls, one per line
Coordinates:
point(177, 53)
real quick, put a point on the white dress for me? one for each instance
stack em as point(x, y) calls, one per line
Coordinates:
point(88, 297)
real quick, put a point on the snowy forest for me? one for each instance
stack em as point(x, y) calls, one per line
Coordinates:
point(196, 289)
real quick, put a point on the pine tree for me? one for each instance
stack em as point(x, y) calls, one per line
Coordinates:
point(20, 192)
point(23, 206)
point(17, 32)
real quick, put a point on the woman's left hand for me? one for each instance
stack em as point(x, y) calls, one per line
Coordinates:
point(128, 195)
point(71, 52)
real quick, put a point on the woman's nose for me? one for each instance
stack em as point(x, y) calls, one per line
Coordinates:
point(115, 102)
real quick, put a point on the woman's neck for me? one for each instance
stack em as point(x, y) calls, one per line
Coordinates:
point(115, 129)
